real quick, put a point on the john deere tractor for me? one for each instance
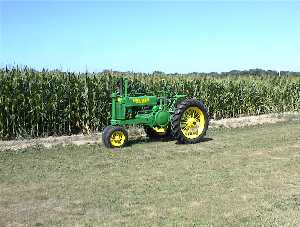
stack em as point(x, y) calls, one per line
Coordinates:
point(178, 117)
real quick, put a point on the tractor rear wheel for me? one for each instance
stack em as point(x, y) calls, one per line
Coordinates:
point(157, 132)
point(114, 136)
point(190, 121)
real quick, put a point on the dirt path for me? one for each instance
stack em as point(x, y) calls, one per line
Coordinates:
point(137, 132)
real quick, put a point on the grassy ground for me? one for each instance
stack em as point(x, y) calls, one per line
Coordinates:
point(246, 176)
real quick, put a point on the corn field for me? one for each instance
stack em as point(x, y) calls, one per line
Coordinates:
point(42, 103)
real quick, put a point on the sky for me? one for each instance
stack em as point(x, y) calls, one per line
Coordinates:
point(144, 36)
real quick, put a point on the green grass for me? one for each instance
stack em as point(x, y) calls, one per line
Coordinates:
point(242, 177)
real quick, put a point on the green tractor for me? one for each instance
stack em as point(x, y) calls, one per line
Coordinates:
point(185, 120)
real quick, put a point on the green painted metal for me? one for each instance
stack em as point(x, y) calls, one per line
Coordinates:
point(141, 110)
point(162, 118)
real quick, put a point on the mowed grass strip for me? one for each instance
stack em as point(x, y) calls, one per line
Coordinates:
point(247, 176)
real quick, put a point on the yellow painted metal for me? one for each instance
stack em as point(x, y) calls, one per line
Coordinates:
point(192, 122)
point(117, 139)
point(160, 130)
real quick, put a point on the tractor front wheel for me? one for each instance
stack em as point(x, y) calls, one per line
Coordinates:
point(190, 121)
point(114, 137)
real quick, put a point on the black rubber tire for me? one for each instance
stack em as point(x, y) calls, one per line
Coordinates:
point(176, 117)
point(152, 134)
point(108, 131)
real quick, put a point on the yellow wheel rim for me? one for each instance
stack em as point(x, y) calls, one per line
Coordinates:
point(192, 122)
point(117, 139)
point(160, 130)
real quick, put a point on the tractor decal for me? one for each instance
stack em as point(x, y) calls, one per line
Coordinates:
point(140, 100)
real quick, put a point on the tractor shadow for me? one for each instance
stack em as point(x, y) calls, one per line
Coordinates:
point(148, 140)
point(206, 139)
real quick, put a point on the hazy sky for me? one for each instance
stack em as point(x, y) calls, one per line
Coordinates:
point(147, 36)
